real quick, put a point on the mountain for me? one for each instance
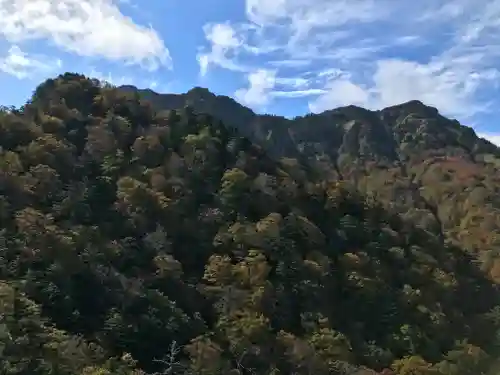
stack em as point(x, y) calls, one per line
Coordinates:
point(142, 241)
point(419, 163)
point(383, 135)
point(201, 100)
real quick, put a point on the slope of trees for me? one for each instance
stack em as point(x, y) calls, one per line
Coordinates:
point(429, 168)
point(162, 242)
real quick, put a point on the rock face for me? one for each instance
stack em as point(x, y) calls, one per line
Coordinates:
point(406, 131)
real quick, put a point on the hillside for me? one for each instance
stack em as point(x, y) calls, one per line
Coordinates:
point(430, 169)
point(140, 241)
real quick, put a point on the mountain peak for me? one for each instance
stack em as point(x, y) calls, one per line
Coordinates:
point(201, 91)
point(413, 106)
point(128, 88)
point(382, 134)
point(352, 109)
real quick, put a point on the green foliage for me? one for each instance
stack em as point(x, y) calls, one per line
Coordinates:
point(134, 241)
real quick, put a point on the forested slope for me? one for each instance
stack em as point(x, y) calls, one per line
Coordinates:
point(142, 241)
point(429, 168)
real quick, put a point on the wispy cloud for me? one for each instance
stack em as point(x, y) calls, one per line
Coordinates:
point(260, 84)
point(377, 52)
point(224, 43)
point(291, 63)
point(91, 28)
point(23, 65)
point(449, 87)
point(297, 93)
point(122, 79)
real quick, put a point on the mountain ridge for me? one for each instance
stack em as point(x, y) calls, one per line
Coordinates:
point(203, 100)
point(410, 144)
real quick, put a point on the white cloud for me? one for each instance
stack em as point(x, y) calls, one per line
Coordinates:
point(449, 88)
point(340, 92)
point(295, 82)
point(94, 28)
point(22, 65)
point(305, 22)
point(372, 53)
point(294, 20)
point(264, 11)
point(292, 63)
point(307, 14)
point(223, 41)
point(261, 82)
point(410, 40)
point(297, 93)
point(119, 80)
point(110, 78)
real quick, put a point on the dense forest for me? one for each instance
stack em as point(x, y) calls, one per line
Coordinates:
point(137, 239)
point(430, 169)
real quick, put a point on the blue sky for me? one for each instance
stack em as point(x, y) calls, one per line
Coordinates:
point(285, 57)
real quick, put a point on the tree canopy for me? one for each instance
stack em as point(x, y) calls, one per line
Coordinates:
point(140, 241)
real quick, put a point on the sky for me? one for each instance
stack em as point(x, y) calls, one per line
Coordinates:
point(286, 57)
